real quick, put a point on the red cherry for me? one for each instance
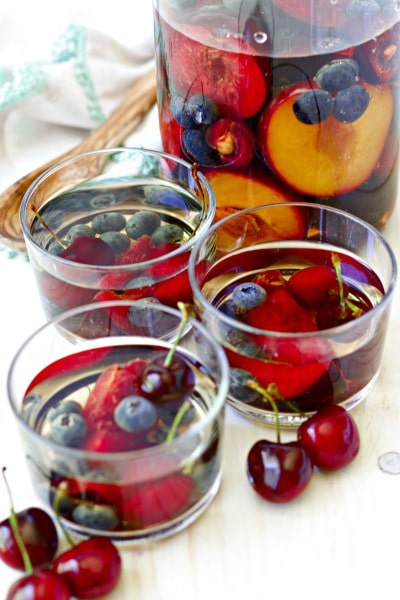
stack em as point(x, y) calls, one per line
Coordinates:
point(89, 251)
point(158, 501)
point(39, 535)
point(330, 437)
point(163, 383)
point(311, 285)
point(40, 585)
point(92, 568)
point(278, 471)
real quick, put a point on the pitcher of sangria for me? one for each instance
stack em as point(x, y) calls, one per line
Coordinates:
point(284, 100)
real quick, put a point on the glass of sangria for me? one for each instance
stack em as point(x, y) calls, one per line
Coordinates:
point(122, 432)
point(284, 100)
point(299, 295)
point(114, 224)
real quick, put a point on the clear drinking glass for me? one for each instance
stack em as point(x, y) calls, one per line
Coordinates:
point(114, 224)
point(302, 312)
point(120, 440)
point(281, 100)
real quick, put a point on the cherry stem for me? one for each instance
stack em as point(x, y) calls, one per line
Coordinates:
point(270, 394)
point(356, 310)
point(178, 418)
point(15, 529)
point(61, 491)
point(52, 233)
point(187, 312)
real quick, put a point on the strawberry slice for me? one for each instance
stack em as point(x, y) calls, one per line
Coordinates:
point(295, 363)
point(139, 251)
point(311, 285)
point(157, 501)
point(106, 436)
point(281, 312)
point(114, 384)
point(67, 364)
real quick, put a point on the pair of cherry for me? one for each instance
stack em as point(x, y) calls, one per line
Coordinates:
point(279, 471)
point(29, 542)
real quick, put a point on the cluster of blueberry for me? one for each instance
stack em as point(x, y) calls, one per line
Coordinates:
point(118, 231)
point(195, 114)
point(338, 94)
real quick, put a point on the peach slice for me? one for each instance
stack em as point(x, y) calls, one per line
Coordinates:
point(235, 191)
point(328, 158)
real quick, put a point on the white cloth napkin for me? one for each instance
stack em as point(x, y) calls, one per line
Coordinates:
point(63, 70)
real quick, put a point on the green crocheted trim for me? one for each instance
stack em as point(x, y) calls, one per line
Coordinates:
point(72, 46)
point(23, 82)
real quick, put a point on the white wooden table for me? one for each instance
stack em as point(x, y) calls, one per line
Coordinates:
point(339, 540)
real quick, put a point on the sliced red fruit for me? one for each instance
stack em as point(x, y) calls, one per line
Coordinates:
point(113, 384)
point(157, 501)
point(73, 362)
point(235, 191)
point(311, 285)
point(232, 78)
point(62, 294)
point(171, 132)
point(89, 251)
point(233, 140)
point(281, 312)
point(92, 491)
point(327, 14)
point(379, 58)
point(106, 436)
point(170, 265)
point(139, 251)
point(290, 379)
point(328, 158)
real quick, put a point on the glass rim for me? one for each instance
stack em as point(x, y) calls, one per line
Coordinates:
point(232, 322)
point(208, 212)
point(141, 453)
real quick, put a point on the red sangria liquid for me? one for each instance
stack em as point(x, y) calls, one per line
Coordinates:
point(292, 318)
point(132, 463)
point(281, 100)
point(106, 244)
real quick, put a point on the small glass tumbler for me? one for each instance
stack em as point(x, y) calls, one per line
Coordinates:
point(299, 296)
point(122, 432)
point(114, 224)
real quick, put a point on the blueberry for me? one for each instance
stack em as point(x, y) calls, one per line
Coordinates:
point(64, 407)
point(195, 111)
point(68, 429)
point(201, 110)
point(228, 308)
point(248, 295)
point(111, 221)
point(78, 230)
point(363, 8)
point(178, 109)
point(238, 387)
point(95, 516)
point(166, 234)
point(337, 75)
point(104, 200)
point(313, 106)
point(162, 196)
point(196, 148)
point(142, 223)
point(118, 241)
point(55, 247)
point(135, 413)
point(350, 104)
